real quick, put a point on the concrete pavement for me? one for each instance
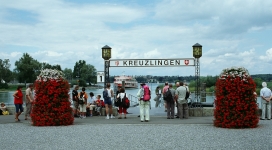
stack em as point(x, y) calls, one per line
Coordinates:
point(157, 116)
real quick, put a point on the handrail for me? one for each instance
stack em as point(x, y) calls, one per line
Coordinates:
point(133, 100)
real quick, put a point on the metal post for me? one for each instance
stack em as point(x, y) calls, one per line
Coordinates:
point(107, 72)
point(197, 80)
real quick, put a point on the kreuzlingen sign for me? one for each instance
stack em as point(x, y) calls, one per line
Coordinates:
point(173, 62)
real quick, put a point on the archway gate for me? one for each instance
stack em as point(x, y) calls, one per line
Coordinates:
point(169, 62)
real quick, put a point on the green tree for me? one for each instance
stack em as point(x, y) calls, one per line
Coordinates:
point(27, 69)
point(68, 74)
point(84, 73)
point(258, 82)
point(77, 68)
point(6, 74)
point(88, 73)
point(48, 66)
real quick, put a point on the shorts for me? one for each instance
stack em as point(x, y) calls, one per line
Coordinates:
point(19, 107)
point(82, 108)
point(75, 104)
point(108, 101)
point(92, 107)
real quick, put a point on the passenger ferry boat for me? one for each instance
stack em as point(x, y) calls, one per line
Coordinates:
point(130, 82)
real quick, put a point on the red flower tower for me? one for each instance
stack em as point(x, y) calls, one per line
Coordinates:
point(51, 106)
point(235, 104)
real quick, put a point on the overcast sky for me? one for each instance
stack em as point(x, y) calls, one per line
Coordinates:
point(232, 33)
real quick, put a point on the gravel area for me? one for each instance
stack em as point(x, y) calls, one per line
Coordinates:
point(18, 136)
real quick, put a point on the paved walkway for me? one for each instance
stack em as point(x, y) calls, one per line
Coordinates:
point(157, 116)
point(122, 134)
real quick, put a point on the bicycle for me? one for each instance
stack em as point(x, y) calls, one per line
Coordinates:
point(160, 102)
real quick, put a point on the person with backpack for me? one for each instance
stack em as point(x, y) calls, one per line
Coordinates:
point(122, 95)
point(144, 96)
point(170, 103)
point(108, 95)
point(83, 96)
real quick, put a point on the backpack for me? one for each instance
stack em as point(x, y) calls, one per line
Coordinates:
point(146, 93)
point(118, 101)
point(105, 94)
point(81, 99)
point(168, 96)
point(126, 102)
point(187, 94)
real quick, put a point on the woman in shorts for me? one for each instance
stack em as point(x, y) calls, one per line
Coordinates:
point(18, 102)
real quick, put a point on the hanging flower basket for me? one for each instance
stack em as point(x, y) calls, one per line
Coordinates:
point(235, 104)
point(51, 106)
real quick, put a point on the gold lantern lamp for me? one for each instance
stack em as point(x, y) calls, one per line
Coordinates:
point(106, 52)
point(197, 50)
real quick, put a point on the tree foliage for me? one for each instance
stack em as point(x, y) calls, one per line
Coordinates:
point(48, 66)
point(84, 73)
point(5, 73)
point(68, 73)
point(27, 69)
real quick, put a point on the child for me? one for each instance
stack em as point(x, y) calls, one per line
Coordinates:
point(3, 109)
point(98, 104)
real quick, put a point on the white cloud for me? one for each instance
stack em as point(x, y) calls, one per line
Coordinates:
point(63, 33)
point(268, 56)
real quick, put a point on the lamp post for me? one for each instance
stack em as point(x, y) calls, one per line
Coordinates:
point(197, 53)
point(106, 55)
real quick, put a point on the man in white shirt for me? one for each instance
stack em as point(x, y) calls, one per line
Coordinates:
point(181, 101)
point(266, 96)
point(91, 103)
point(29, 100)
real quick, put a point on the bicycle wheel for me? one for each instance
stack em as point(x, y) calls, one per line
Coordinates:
point(161, 103)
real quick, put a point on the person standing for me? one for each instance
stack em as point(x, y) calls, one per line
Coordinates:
point(75, 100)
point(158, 96)
point(115, 97)
point(266, 96)
point(108, 102)
point(176, 103)
point(29, 100)
point(18, 102)
point(144, 100)
point(165, 88)
point(171, 104)
point(122, 109)
point(181, 101)
point(82, 107)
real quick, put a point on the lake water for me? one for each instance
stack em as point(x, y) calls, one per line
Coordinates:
point(7, 97)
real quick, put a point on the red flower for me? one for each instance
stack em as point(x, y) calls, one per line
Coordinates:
point(235, 102)
point(52, 106)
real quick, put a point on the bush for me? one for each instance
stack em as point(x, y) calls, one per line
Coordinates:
point(4, 86)
point(52, 105)
point(235, 100)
